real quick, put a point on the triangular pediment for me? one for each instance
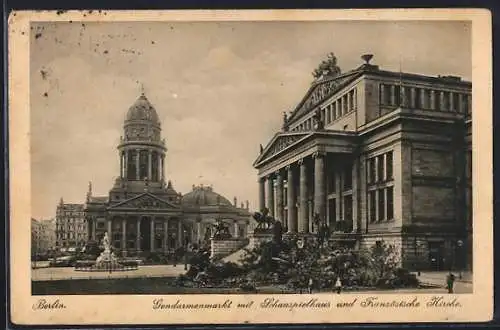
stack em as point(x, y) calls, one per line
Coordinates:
point(321, 90)
point(144, 201)
point(280, 142)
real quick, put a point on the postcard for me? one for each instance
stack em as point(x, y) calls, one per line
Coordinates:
point(266, 166)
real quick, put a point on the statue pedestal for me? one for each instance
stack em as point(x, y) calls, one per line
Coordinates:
point(258, 237)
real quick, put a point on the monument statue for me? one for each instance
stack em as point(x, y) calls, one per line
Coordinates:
point(327, 67)
point(264, 220)
point(221, 230)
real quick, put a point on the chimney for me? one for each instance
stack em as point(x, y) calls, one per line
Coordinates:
point(235, 202)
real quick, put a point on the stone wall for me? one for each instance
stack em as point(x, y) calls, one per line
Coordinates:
point(224, 247)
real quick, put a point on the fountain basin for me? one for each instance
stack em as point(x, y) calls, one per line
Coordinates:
point(106, 265)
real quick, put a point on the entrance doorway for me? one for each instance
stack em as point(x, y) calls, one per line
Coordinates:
point(436, 255)
point(145, 234)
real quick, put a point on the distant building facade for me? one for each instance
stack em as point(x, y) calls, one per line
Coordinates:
point(143, 212)
point(43, 236)
point(377, 155)
point(71, 225)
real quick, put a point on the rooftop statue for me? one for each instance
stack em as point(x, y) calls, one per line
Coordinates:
point(327, 67)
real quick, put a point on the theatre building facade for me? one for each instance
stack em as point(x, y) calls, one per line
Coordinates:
point(143, 212)
point(377, 156)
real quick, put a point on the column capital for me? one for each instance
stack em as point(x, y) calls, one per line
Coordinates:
point(319, 154)
point(301, 161)
point(278, 173)
point(288, 167)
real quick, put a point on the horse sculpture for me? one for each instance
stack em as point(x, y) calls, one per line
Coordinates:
point(264, 220)
point(221, 230)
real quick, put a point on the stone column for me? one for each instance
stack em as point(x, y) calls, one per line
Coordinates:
point(162, 167)
point(355, 199)
point(262, 194)
point(125, 170)
point(363, 214)
point(152, 235)
point(413, 97)
point(279, 196)
point(319, 185)
point(304, 212)
point(198, 228)
point(137, 163)
point(348, 98)
point(451, 104)
point(181, 234)
point(165, 236)
point(292, 201)
point(124, 234)
point(403, 99)
point(121, 164)
point(93, 228)
point(235, 229)
point(270, 195)
point(138, 235)
point(150, 165)
point(423, 93)
point(432, 106)
point(393, 95)
point(442, 101)
point(460, 107)
point(109, 230)
point(158, 167)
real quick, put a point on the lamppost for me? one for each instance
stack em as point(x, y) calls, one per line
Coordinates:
point(418, 246)
point(185, 251)
point(460, 243)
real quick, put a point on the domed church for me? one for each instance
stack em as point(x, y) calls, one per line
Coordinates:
point(143, 212)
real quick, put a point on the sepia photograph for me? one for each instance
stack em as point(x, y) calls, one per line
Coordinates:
point(318, 160)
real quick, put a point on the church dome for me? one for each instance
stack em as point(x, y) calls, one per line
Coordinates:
point(142, 109)
point(204, 196)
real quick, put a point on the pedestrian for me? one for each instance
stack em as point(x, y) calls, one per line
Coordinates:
point(450, 280)
point(310, 285)
point(338, 285)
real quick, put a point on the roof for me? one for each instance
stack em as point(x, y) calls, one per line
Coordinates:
point(141, 110)
point(98, 199)
point(204, 196)
point(324, 88)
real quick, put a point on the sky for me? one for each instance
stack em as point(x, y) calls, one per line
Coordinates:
point(219, 88)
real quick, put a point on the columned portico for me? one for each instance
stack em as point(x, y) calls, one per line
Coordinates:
point(307, 171)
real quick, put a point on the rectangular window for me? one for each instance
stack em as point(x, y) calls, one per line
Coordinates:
point(372, 205)
point(332, 212)
point(456, 103)
point(390, 203)
point(371, 170)
point(437, 101)
point(380, 168)
point(331, 182)
point(388, 166)
point(418, 98)
point(348, 177)
point(397, 95)
point(348, 208)
point(381, 204)
point(446, 101)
